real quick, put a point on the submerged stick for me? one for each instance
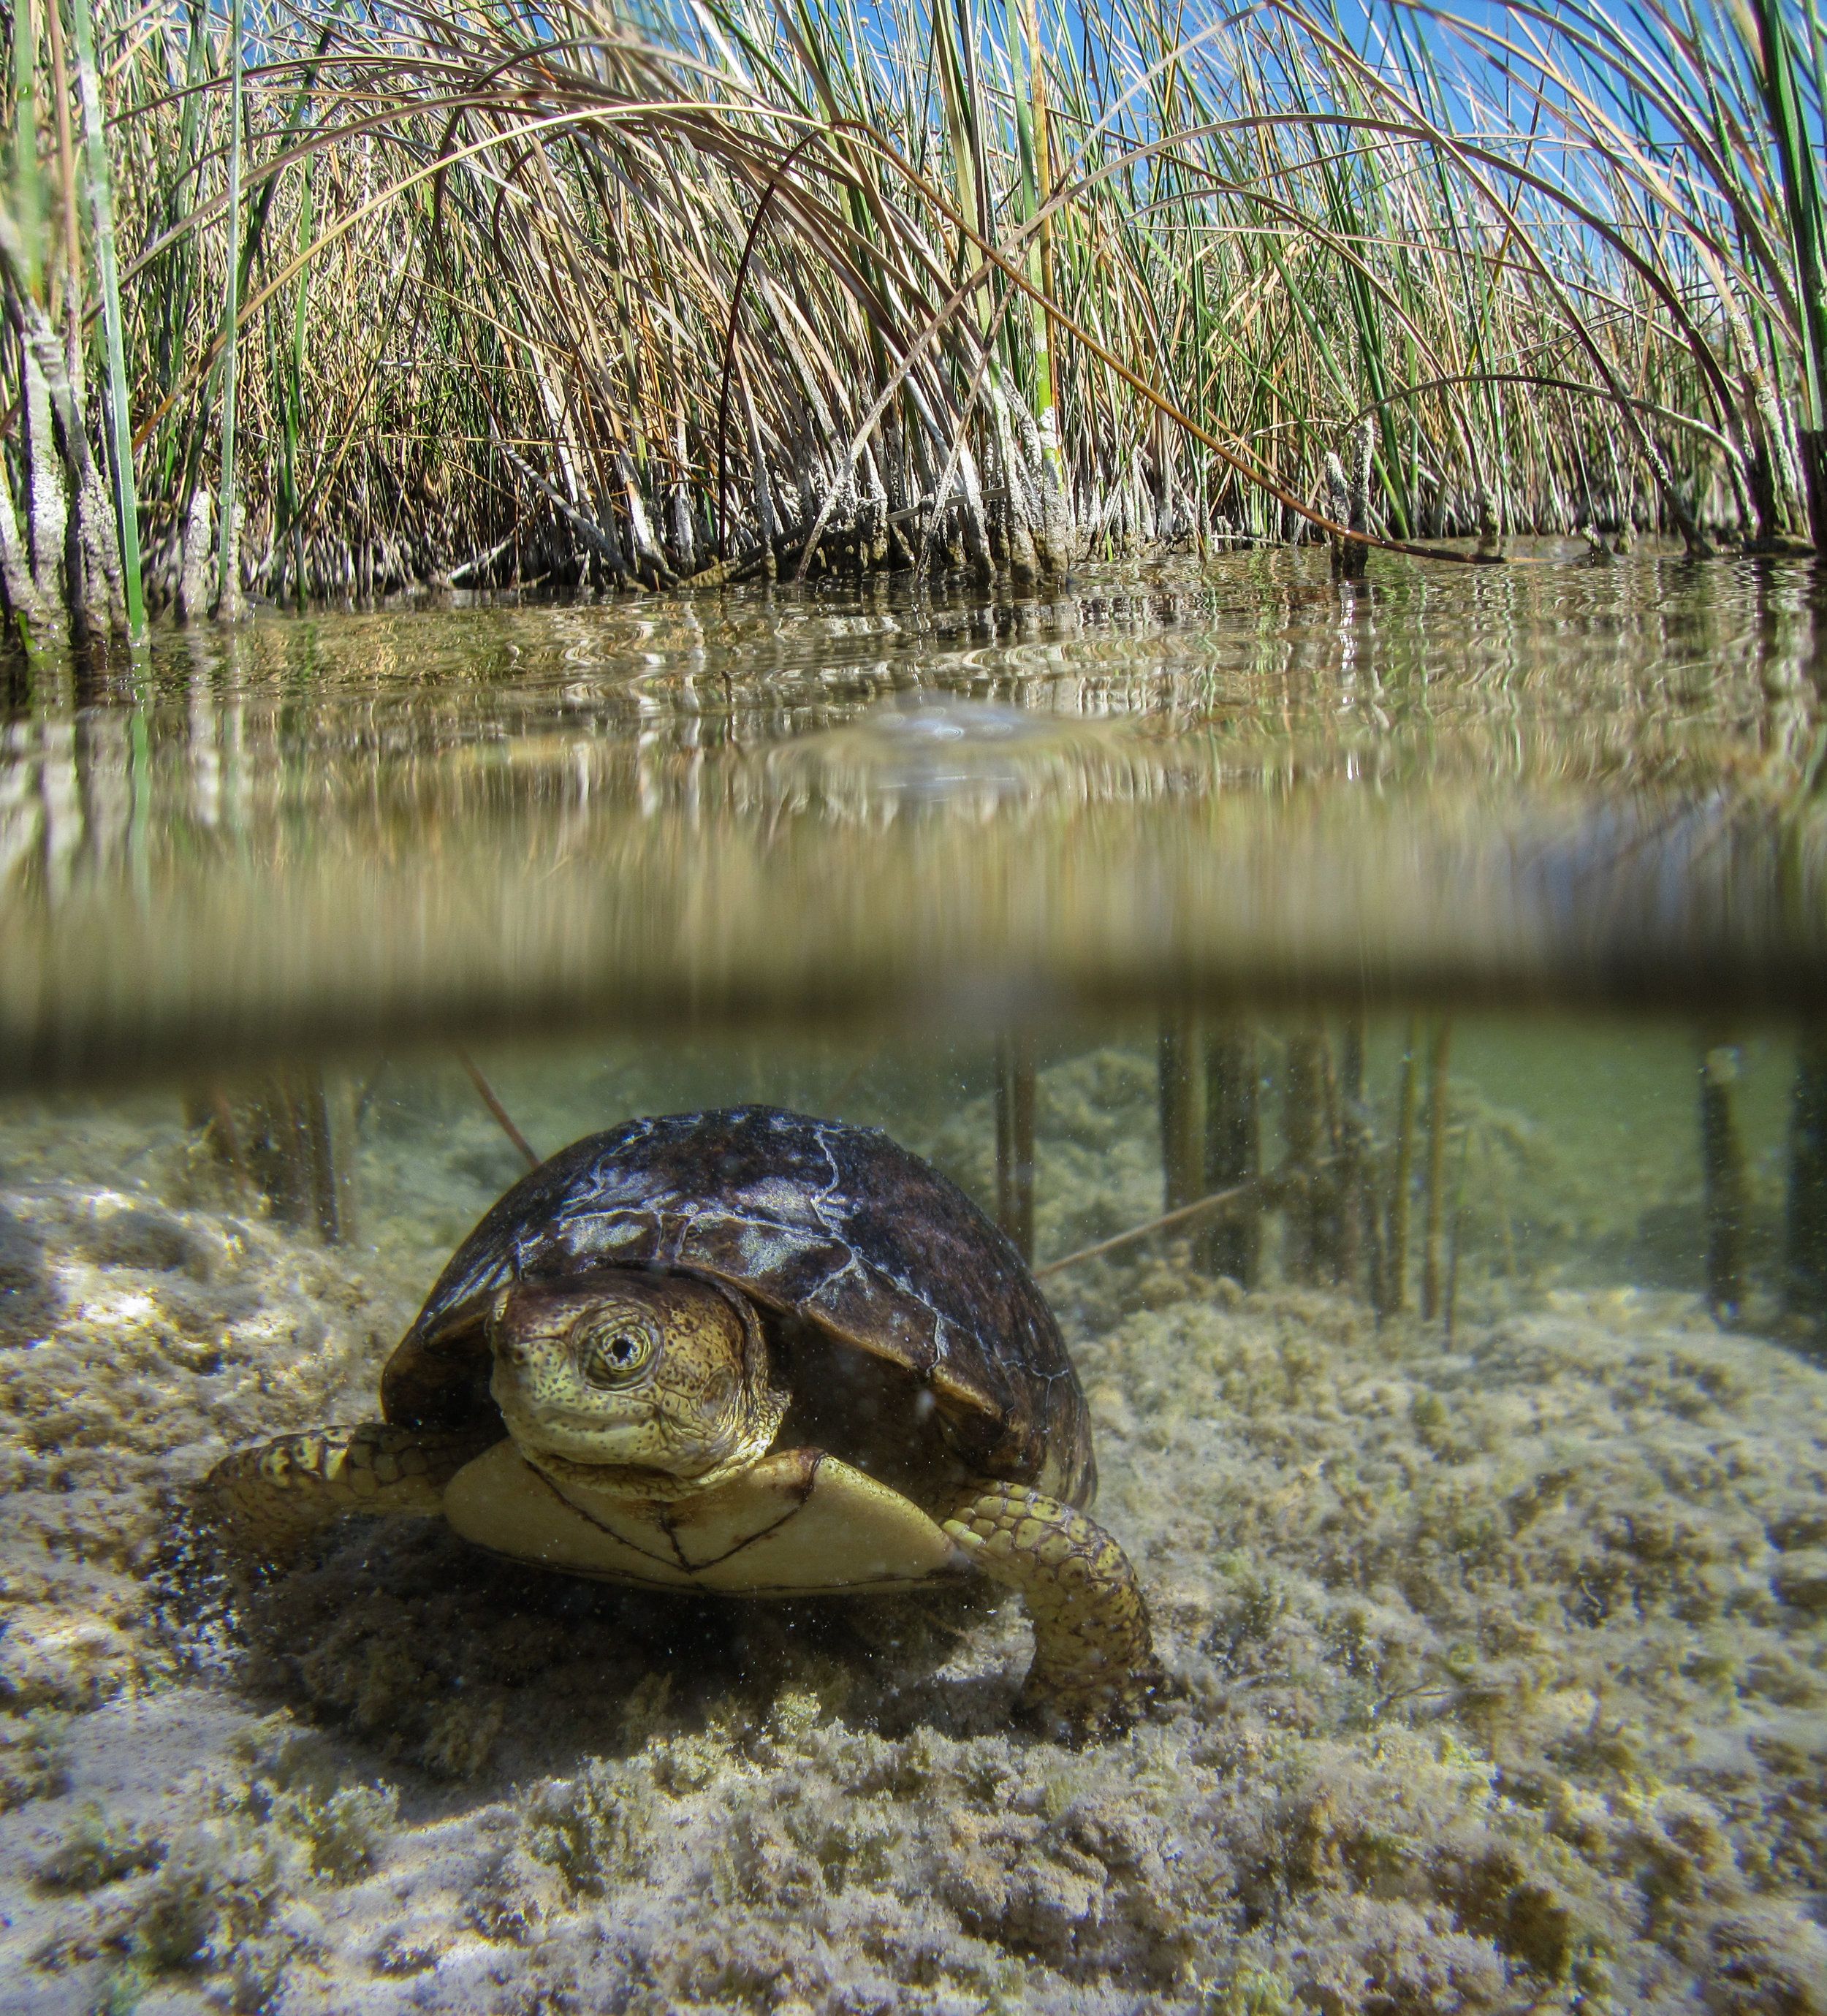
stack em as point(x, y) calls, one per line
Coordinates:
point(365, 1097)
point(1805, 1225)
point(1181, 1069)
point(326, 1169)
point(1217, 1201)
point(852, 1078)
point(1433, 1225)
point(1453, 1242)
point(502, 1119)
point(1724, 1186)
point(1015, 1143)
point(298, 1146)
point(1232, 1244)
point(228, 1141)
point(1395, 1261)
point(1351, 1145)
point(1312, 1244)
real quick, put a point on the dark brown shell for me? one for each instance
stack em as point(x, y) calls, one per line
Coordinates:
point(837, 1225)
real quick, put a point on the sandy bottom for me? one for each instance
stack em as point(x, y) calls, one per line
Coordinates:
point(1499, 1679)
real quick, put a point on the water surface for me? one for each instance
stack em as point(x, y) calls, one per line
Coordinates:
point(1555, 781)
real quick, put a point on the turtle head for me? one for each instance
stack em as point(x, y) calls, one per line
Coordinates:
point(662, 1374)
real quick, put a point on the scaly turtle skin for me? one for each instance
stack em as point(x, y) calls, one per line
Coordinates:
point(748, 1353)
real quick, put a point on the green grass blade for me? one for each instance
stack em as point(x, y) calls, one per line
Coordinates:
point(120, 420)
point(228, 555)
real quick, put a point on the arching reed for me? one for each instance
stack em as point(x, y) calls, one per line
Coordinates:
point(478, 294)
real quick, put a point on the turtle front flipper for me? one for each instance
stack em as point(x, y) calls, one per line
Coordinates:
point(273, 1497)
point(1094, 1666)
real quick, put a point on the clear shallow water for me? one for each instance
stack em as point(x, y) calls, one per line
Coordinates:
point(1474, 1471)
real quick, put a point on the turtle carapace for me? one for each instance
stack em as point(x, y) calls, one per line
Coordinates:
point(748, 1353)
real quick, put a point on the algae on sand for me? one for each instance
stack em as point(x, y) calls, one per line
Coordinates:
point(1500, 1668)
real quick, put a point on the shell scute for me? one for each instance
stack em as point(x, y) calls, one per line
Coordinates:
point(837, 1225)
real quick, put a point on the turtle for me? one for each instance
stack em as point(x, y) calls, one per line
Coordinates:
point(745, 1352)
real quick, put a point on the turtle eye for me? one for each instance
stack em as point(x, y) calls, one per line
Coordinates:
point(610, 1356)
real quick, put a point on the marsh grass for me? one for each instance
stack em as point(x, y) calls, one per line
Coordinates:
point(479, 294)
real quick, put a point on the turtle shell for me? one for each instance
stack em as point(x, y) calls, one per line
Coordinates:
point(838, 1226)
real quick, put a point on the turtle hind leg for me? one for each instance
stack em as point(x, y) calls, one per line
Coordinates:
point(273, 1497)
point(1094, 1668)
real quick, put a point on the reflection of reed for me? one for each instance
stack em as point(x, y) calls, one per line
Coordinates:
point(311, 831)
point(374, 735)
point(1321, 893)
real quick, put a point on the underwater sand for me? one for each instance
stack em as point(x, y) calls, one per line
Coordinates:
point(1499, 1670)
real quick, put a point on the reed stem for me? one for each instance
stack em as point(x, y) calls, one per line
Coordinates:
point(120, 418)
point(1807, 230)
point(228, 510)
point(1158, 291)
point(28, 200)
